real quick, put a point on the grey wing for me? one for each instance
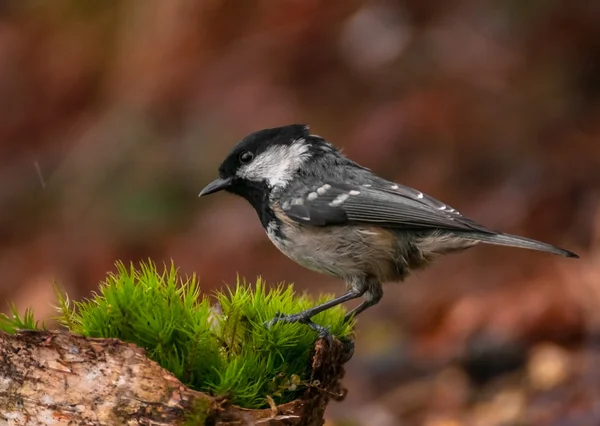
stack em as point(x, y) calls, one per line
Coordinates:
point(380, 203)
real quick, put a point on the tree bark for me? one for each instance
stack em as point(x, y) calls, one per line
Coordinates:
point(57, 378)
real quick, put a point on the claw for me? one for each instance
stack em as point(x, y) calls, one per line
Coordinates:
point(323, 332)
point(302, 318)
point(269, 324)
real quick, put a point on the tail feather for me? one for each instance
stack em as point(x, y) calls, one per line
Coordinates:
point(522, 242)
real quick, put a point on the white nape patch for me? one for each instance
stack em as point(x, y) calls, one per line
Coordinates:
point(322, 190)
point(277, 165)
point(339, 200)
point(394, 186)
point(312, 196)
point(354, 192)
point(420, 195)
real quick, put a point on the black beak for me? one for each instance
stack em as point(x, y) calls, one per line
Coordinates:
point(215, 186)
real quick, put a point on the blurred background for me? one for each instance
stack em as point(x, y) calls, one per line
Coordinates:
point(114, 114)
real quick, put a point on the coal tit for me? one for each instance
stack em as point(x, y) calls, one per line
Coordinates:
point(334, 216)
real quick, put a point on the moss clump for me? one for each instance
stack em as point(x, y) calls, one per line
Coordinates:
point(199, 413)
point(16, 321)
point(221, 348)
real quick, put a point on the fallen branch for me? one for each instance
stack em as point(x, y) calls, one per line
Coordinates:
point(58, 378)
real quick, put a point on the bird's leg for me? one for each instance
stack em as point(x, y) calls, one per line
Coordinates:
point(304, 317)
point(372, 297)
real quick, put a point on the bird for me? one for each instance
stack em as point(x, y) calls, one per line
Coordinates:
point(336, 217)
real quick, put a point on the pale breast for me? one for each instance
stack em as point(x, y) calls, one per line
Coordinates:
point(339, 251)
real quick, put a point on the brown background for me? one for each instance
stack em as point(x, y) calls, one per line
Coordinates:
point(114, 114)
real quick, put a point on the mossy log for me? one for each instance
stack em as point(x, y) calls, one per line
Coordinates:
point(58, 378)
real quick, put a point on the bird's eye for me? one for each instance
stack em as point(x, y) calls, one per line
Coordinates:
point(246, 157)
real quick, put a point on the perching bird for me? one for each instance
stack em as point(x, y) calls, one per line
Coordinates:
point(334, 216)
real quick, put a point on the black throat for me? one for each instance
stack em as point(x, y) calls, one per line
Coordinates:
point(257, 194)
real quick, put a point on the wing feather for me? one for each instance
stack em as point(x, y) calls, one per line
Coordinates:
point(382, 203)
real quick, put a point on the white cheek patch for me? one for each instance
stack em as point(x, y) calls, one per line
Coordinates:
point(277, 165)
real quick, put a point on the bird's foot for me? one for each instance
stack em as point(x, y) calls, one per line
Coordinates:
point(302, 318)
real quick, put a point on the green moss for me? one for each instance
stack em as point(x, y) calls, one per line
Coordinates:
point(15, 321)
point(199, 413)
point(221, 348)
